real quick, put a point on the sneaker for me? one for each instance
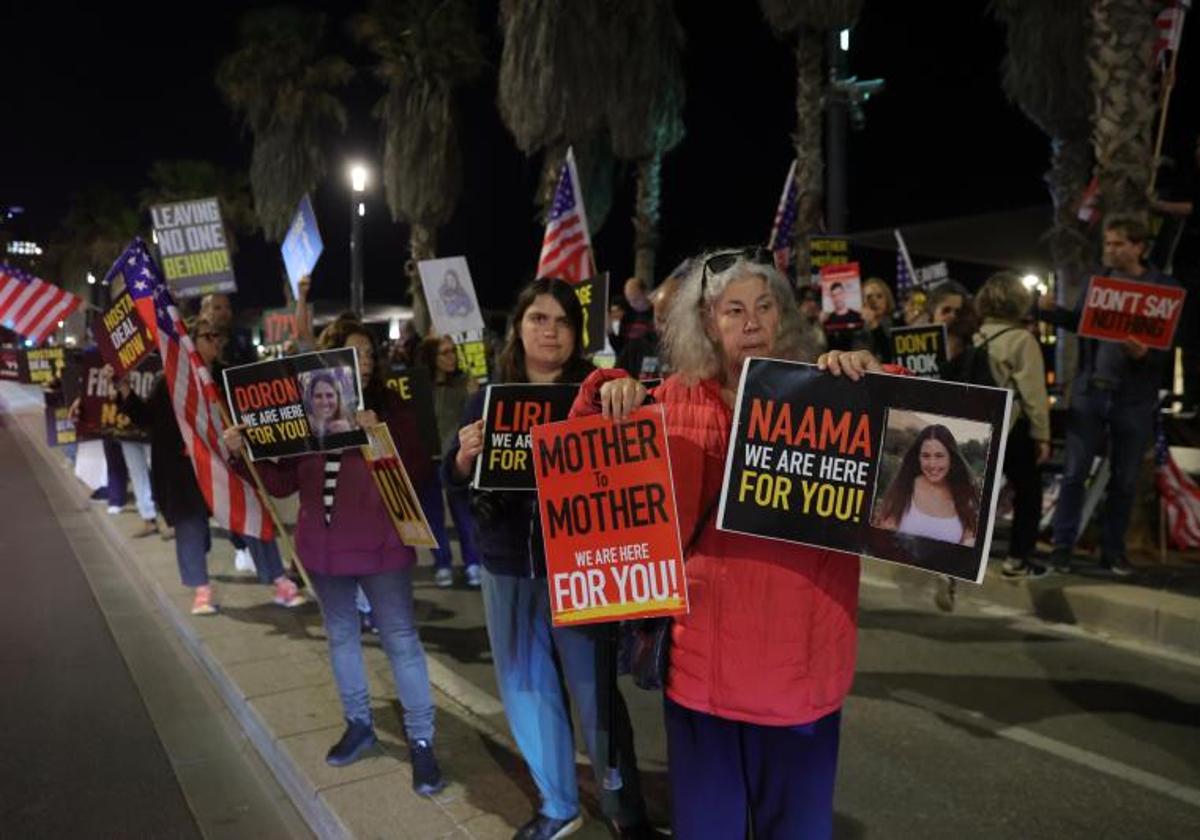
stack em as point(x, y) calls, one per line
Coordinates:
point(355, 741)
point(1119, 567)
point(1060, 559)
point(474, 579)
point(427, 776)
point(149, 526)
point(113, 510)
point(202, 602)
point(547, 828)
point(946, 593)
point(444, 577)
point(366, 624)
point(1014, 568)
point(243, 561)
point(287, 594)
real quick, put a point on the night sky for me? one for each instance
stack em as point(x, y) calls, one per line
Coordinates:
point(95, 95)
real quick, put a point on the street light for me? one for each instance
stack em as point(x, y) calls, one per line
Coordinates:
point(358, 209)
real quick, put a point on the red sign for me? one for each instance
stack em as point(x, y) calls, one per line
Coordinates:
point(1116, 309)
point(608, 518)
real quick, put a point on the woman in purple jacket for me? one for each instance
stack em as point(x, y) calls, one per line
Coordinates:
point(345, 540)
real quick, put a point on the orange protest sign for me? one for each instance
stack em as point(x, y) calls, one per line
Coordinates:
point(607, 505)
point(1116, 309)
point(396, 488)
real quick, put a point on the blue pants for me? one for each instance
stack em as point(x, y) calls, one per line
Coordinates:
point(727, 776)
point(1130, 428)
point(193, 541)
point(430, 496)
point(118, 476)
point(524, 651)
point(391, 599)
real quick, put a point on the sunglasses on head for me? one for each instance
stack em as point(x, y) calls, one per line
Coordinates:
point(724, 260)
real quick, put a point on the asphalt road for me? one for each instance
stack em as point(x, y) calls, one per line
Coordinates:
point(107, 728)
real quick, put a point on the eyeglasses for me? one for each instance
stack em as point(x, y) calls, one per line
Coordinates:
point(724, 260)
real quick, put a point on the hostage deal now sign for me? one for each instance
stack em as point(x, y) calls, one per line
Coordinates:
point(1116, 309)
point(121, 336)
point(607, 506)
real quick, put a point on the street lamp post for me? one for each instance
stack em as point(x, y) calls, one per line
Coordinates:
point(358, 184)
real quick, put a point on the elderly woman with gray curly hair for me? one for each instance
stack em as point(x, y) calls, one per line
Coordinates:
point(761, 665)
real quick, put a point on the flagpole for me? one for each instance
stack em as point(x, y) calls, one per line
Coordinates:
point(264, 497)
point(1168, 87)
point(904, 252)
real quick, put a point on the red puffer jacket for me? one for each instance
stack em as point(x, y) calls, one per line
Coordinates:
point(771, 635)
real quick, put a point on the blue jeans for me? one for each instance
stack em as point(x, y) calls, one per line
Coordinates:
point(193, 541)
point(726, 775)
point(137, 461)
point(391, 599)
point(524, 648)
point(1130, 428)
point(430, 496)
point(118, 476)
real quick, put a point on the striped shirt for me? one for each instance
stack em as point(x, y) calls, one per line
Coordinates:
point(333, 465)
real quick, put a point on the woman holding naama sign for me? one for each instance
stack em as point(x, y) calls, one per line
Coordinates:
point(346, 540)
point(534, 660)
point(761, 664)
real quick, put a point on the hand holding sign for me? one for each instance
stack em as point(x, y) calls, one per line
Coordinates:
point(619, 397)
point(470, 444)
point(851, 364)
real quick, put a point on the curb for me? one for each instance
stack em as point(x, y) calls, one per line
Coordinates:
point(1107, 608)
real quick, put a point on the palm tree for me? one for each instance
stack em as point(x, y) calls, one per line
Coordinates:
point(645, 112)
point(425, 49)
point(556, 72)
point(97, 227)
point(1046, 75)
point(1125, 93)
point(181, 180)
point(282, 90)
point(809, 21)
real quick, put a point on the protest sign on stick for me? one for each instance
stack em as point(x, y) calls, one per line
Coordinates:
point(278, 326)
point(828, 250)
point(11, 361)
point(298, 404)
point(607, 507)
point(450, 295)
point(396, 488)
point(892, 467)
point(841, 297)
point(35, 366)
point(509, 413)
point(1116, 309)
point(302, 246)
point(920, 350)
point(191, 241)
point(60, 429)
point(91, 381)
point(593, 299)
point(121, 336)
point(472, 354)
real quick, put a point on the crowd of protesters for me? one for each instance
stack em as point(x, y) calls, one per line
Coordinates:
point(753, 696)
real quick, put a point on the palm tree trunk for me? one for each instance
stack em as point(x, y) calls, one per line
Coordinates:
point(1124, 87)
point(810, 166)
point(552, 161)
point(422, 245)
point(1070, 169)
point(646, 217)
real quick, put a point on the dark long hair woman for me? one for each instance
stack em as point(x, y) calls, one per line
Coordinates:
point(934, 494)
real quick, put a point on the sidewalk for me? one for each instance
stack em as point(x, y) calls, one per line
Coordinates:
point(271, 667)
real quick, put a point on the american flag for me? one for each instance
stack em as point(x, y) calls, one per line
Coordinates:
point(783, 228)
point(566, 247)
point(31, 306)
point(1178, 494)
point(1089, 203)
point(905, 275)
point(1169, 23)
point(233, 501)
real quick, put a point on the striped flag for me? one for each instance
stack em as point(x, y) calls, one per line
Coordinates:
point(905, 274)
point(31, 306)
point(783, 228)
point(1089, 203)
point(566, 246)
point(232, 500)
point(1169, 24)
point(1177, 492)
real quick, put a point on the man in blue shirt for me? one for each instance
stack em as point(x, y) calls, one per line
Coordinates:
point(1115, 390)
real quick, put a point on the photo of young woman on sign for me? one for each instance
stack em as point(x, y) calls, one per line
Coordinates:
point(932, 477)
point(326, 404)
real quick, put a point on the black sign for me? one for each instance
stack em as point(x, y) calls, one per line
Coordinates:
point(415, 387)
point(298, 404)
point(60, 430)
point(922, 350)
point(88, 378)
point(893, 467)
point(593, 297)
point(509, 412)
